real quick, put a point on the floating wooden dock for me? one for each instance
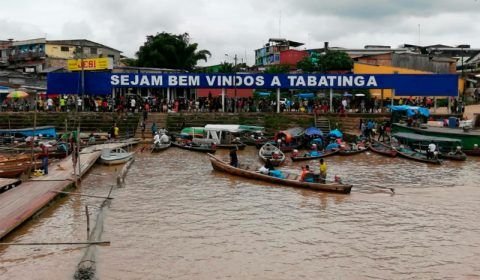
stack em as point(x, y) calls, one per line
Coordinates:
point(7, 183)
point(19, 204)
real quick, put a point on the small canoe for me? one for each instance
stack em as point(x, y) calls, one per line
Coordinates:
point(160, 147)
point(240, 146)
point(383, 149)
point(290, 180)
point(347, 152)
point(322, 155)
point(472, 152)
point(115, 156)
point(416, 156)
point(268, 151)
point(203, 148)
point(454, 156)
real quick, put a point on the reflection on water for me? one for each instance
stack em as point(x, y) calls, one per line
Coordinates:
point(176, 218)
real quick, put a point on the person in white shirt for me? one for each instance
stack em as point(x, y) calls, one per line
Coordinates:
point(156, 138)
point(431, 150)
point(164, 139)
point(132, 104)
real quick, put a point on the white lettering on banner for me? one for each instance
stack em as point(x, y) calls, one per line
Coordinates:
point(211, 80)
point(124, 80)
point(134, 81)
point(259, 81)
point(114, 80)
point(156, 80)
point(359, 81)
point(187, 80)
point(172, 81)
point(323, 82)
point(248, 81)
point(347, 81)
point(276, 82)
point(372, 81)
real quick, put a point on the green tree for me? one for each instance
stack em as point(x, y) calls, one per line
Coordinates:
point(277, 69)
point(331, 60)
point(336, 60)
point(165, 50)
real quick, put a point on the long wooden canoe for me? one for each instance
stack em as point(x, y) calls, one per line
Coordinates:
point(410, 154)
point(291, 180)
point(352, 152)
point(326, 154)
point(382, 149)
point(194, 147)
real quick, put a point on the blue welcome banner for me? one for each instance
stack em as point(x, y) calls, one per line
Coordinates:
point(102, 83)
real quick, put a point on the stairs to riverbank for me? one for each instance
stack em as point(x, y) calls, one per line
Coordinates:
point(323, 124)
point(160, 119)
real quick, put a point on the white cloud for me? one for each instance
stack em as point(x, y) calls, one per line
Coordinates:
point(239, 27)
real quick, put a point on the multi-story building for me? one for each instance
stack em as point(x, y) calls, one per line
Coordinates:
point(39, 55)
point(270, 53)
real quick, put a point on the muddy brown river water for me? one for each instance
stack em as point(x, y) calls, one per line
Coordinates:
point(176, 218)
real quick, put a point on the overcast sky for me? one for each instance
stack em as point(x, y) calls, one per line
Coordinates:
point(241, 26)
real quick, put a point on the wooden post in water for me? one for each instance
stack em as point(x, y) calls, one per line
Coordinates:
point(88, 221)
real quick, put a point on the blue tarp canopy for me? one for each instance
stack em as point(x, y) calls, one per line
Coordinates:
point(336, 133)
point(4, 89)
point(305, 95)
point(411, 110)
point(263, 93)
point(311, 131)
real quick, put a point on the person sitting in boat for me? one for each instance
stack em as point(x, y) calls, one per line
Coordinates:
point(275, 155)
point(431, 150)
point(91, 139)
point(295, 153)
point(164, 139)
point(268, 165)
point(306, 175)
point(156, 139)
point(354, 146)
point(314, 151)
point(458, 151)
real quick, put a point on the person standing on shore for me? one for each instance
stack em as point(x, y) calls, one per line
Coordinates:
point(154, 128)
point(44, 156)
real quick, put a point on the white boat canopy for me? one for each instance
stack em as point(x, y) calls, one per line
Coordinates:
point(233, 128)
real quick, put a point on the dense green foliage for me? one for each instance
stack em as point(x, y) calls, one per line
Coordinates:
point(165, 50)
point(329, 61)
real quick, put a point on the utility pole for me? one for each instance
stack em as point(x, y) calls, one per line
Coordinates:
point(82, 77)
point(235, 83)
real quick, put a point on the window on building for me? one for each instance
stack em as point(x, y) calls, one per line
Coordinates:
point(64, 49)
point(93, 51)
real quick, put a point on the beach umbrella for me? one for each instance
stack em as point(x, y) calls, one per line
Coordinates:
point(17, 94)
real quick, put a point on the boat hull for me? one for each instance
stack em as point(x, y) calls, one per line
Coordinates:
point(382, 149)
point(222, 166)
point(326, 154)
point(201, 149)
point(266, 151)
point(161, 147)
point(468, 139)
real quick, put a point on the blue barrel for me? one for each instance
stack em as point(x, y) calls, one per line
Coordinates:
point(452, 122)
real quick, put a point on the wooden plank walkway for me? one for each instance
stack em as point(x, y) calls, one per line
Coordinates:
point(7, 183)
point(19, 204)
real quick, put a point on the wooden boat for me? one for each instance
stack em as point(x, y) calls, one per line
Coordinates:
point(382, 149)
point(325, 154)
point(349, 152)
point(416, 156)
point(14, 170)
point(459, 156)
point(291, 139)
point(160, 147)
point(46, 131)
point(475, 152)
point(115, 156)
point(291, 180)
point(203, 148)
point(268, 150)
